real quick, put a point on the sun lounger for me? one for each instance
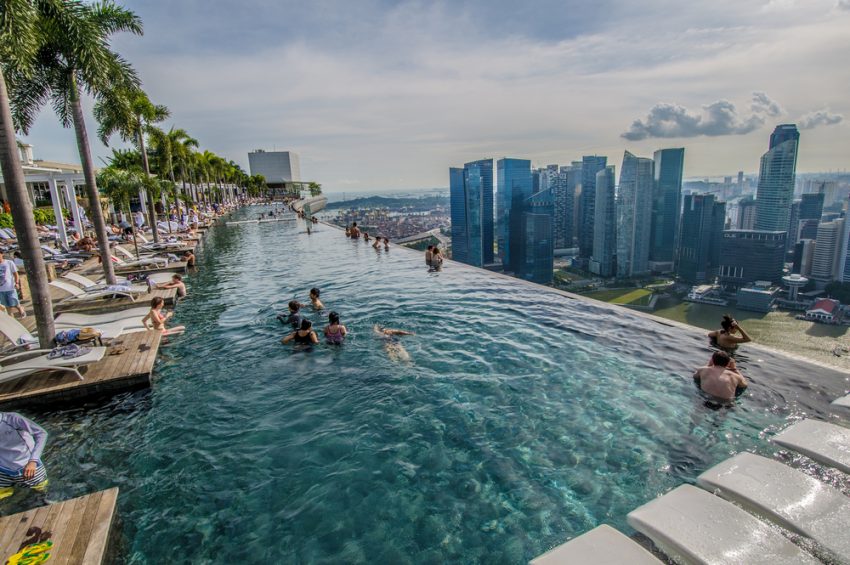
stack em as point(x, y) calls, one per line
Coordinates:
point(80, 320)
point(785, 496)
point(602, 545)
point(15, 332)
point(693, 526)
point(16, 366)
point(147, 262)
point(79, 295)
point(826, 443)
point(109, 330)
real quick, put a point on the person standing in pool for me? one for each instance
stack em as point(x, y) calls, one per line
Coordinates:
point(303, 335)
point(314, 299)
point(437, 259)
point(395, 350)
point(176, 282)
point(21, 444)
point(428, 255)
point(721, 378)
point(355, 231)
point(725, 337)
point(294, 317)
point(335, 332)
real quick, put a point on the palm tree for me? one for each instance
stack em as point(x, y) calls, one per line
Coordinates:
point(75, 55)
point(18, 44)
point(315, 188)
point(130, 113)
point(120, 184)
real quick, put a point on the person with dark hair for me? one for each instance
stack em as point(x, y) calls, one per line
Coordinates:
point(302, 336)
point(377, 244)
point(366, 236)
point(355, 231)
point(158, 319)
point(335, 332)
point(176, 282)
point(725, 337)
point(294, 317)
point(386, 243)
point(395, 350)
point(429, 254)
point(314, 299)
point(436, 259)
point(721, 378)
point(189, 257)
point(21, 444)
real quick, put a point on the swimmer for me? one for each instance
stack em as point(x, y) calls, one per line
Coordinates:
point(377, 244)
point(355, 231)
point(294, 317)
point(436, 259)
point(386, 243)
point(428, 255)
point(366, 236)
point(721, 378)
point(725, 337)
point(395, 350)
point(302, 336)
point(176, 282)
point(314, 299)
point(335, 332)
point(347, 231)
point(158, 319)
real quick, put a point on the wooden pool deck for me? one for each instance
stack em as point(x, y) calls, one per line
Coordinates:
point(173, 267)
point(109, 304)
point(128, 370)
point(77, 530)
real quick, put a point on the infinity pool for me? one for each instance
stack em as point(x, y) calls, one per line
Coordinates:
point(524, 417)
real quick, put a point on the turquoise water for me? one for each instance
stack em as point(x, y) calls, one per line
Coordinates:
point(523, 418)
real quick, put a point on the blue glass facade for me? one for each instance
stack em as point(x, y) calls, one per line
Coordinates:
point(590, 166)
point(776, 180)
point(700, 238)
point(634, 215)
point(514, 187)
point(471, 200)
point(603, 261)
point(666, 204)
point(536, 258)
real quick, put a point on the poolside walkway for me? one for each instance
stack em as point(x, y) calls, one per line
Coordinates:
point(75, 531)
point(130, 370)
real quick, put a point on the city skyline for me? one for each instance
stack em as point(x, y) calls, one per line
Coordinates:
point(372, 102)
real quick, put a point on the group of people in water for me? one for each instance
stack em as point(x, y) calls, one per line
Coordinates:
point(354, 232)
point(720, 377)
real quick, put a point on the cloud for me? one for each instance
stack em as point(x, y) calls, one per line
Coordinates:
point(717, 118)
point(843, 4)
point(819, 118)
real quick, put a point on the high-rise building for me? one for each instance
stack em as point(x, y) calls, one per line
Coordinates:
point(471, 199)
point(536, 253)
point(804, 253)
point(513, 189)
point(826, 257)
point(590, 166)
point(776, 180)
point(793, 225)
point(747, 256)
point(811, 206)
point(564, 188)
point(634, 215)
point(746, 213)
point(603, 260)
point(700, 238)
point(277, 167)
point(666, 206)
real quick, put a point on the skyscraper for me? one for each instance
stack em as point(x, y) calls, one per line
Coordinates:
point(634, 215)
point(827, 254)
point(536, 252)
point(604, 257)
point(747, 256)
point(513, 189)
point(776, 180)
point(590, 166)
point(471, 199)
point(564, 195)
point(700, 238)
point(746, 213)
point(666, 203)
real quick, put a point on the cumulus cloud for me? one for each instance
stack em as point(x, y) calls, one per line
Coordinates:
point(819, 118)
point(715, 119)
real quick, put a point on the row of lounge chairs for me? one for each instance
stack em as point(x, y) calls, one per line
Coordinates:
point(737, 514)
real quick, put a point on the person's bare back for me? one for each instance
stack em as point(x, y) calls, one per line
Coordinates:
point(721, 377)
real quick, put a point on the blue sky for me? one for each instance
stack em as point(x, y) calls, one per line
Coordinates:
point(388, 94)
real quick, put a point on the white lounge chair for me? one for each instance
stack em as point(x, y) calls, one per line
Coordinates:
point(16, 366)
point(693, 526)
point(108, 330)
point(145, 262)
point(79, 295)
point(826, 443)
point(602, 545)
point(16, 333)
point(80, 320)
point(785, 496)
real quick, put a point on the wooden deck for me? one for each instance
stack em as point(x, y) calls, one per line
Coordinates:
point(173, 267)
point(113, 374)
point(109, 304)
point(77, 530)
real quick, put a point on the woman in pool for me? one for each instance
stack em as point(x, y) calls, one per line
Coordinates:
point(302, 336)
point(395, 350)
point(725, 337)
point(335, 332)
point(158, 319)
point(377, 244)
point(437, 259)
point(314, 299)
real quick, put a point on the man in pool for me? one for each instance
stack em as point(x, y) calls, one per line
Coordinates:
point(294, 317)
point(176, 282)
point(21, 444)
point(721, 378)
point(395, 350)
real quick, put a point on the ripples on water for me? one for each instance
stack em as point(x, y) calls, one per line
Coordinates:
point(524, 418)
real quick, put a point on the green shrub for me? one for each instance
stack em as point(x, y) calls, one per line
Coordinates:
point(42, 217)
point(6, 220)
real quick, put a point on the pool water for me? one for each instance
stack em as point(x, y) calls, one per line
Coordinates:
point(522, 419)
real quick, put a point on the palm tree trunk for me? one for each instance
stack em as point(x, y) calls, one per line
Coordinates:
point(95, 211)
point(16, 192)
point(151, 209)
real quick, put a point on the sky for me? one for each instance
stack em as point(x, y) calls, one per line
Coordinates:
point(385, 95)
